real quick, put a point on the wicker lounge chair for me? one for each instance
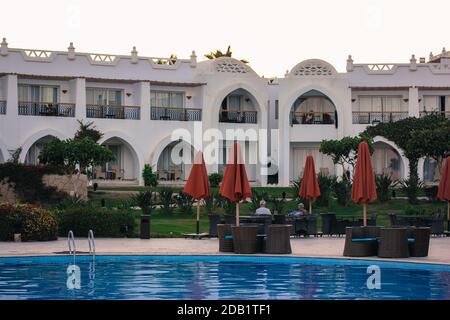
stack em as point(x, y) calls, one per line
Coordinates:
point(225, 238)
point(230, 219)
point(244, 238)
point(361, 241)
point(418, 241)
point(278, 239)
point(438, 224)
point(393, 243)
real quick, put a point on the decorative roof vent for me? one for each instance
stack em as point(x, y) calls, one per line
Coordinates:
point(313, 67)
point(229, 65)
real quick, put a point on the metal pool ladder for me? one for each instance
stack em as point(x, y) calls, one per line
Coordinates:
point(91, 242)
point(71, 244)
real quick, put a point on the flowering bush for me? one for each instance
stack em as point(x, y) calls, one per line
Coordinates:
point(33, 223)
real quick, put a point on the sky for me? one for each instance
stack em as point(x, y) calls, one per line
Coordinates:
point(273, 35)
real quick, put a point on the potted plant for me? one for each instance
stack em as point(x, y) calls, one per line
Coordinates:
point(214, 218)
point(145, 202)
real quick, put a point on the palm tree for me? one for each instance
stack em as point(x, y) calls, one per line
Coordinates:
point(218, 53)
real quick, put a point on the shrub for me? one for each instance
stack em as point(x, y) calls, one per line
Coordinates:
point(185, 203)
point(278, 204)
point(144, 200)
point(228, 206)
point(410, 187)
point(296, 187)
point(212, 203)
point(166, 196)
point(150, 178)
point(104, 222)
point(343, 190)
point(27, 182)
point(326, 188)
point(33, 223)
point(256, 198)
point(215, 179)
point(384, 184)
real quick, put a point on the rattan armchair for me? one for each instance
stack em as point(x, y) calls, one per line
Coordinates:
point(393, 243)
point(418, 241)
point(361, 241)
point(225, 238)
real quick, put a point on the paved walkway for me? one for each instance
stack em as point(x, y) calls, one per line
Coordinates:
point(309, 247)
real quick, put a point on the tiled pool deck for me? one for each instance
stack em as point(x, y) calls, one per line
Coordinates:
point(326, 247)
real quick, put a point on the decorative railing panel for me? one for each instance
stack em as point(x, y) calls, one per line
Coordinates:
point(176, 114)
point(242, 116)
point(113, 112)
point(46, 109)
point(377, 117)
point(313, 118)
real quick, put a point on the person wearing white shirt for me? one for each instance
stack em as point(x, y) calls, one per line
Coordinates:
point(262, 210)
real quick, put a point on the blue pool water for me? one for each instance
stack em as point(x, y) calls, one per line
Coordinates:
point(218, 277)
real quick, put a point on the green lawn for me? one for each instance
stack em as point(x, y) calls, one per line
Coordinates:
point(173, 225)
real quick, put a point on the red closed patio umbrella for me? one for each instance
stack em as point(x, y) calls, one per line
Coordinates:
point(444, 187)
point(309, 189)
point(197, 185)
point(235, 186)
point(364, 189)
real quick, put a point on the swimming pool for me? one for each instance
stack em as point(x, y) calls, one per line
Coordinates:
point(217, 277)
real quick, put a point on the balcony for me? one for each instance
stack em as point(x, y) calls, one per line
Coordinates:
point(446, 114)
point(313, 117)
point(46, 109)
point(113, 112)
point(241, 116)
point(360, 117)
point(2, 107)
point(176, 114)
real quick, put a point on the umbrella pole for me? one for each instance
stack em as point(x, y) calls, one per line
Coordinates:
point(237, 214)
point(198, 217)
point(310, 206)
point(365, 213)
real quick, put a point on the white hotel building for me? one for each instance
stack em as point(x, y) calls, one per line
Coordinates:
point(137, 102)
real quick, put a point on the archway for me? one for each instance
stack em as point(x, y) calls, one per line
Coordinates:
point(125, 167)
point(313, 107)
point(239, 106)
point(175, 160)
point(32, 154)
point(386, 160)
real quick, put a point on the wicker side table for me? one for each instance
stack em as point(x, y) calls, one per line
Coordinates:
point(278, 239)
point(393, 243)
point(244, 238)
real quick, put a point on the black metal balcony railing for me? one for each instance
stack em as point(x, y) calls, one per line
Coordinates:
point(113, 112)
point(313, 118)
point(2, 107)
point(177, 114)
point(242, 116)
point(446, 114)
point(46, 109)
point(360, 117)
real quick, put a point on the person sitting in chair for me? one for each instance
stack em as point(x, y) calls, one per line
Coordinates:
point(310, 117)
point(300, 212)
point(262, 210)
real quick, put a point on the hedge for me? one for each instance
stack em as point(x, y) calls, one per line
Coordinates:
point(104, 222)
point(33, 223)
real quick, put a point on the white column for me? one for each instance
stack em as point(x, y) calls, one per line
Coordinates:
point(283, 147)
point(11, 128)
point(144, 100)
point(78, 96)
point(413, 102)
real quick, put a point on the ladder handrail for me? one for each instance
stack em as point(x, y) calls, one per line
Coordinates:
point(91, 242)
point(71, 244)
